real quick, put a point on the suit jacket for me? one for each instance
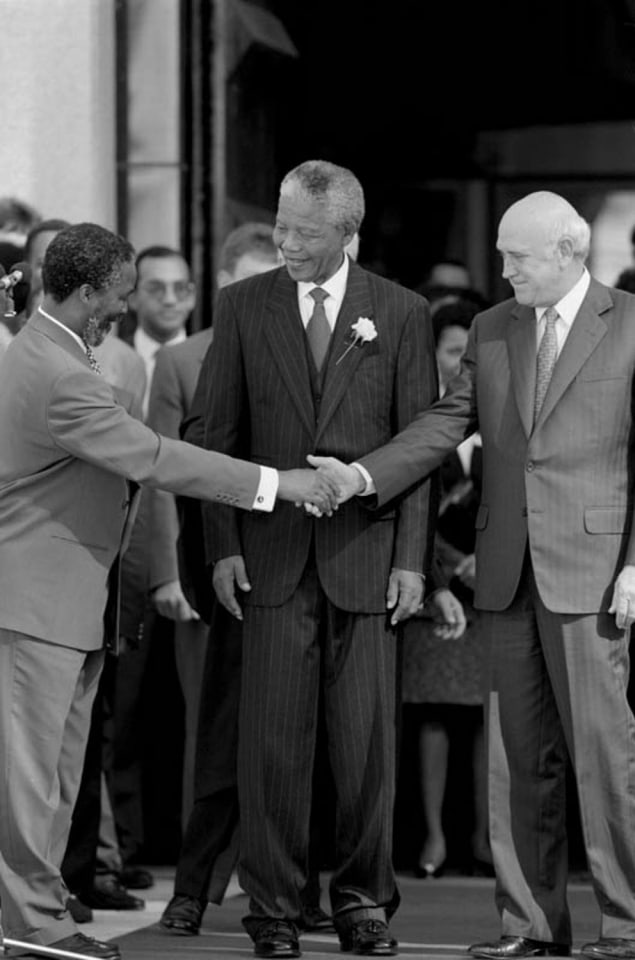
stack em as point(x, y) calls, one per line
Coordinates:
point(67, 450)
point(263, 400)
point(173, 384)
point(563, 486)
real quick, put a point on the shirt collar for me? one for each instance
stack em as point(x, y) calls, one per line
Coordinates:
point(147, 346)
point(569, 305)
point(335, 286)
point(68, 330)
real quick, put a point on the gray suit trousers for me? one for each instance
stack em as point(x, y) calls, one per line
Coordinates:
point(46, 697)
point(557, 685)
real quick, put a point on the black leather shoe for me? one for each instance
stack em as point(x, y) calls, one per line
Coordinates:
point(513, 948)
point(76, 947)
point(276, 938)
point(314, 919)
point(609, 948)
point(136, 878)
point(107, 893)
point(78, 910)
point(183, 915)
point(369, 938)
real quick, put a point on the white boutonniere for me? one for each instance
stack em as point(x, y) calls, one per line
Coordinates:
point(362, 331)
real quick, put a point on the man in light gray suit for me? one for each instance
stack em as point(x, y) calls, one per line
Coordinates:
point(547, 379)
point(70, 458)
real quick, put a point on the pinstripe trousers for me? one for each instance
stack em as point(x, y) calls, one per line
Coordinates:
point(557, 686)
point(288, 651)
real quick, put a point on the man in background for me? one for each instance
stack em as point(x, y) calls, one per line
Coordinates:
point(247, 250)
point(162, 302)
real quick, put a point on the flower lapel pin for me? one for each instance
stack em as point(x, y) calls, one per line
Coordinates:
point(362, 331)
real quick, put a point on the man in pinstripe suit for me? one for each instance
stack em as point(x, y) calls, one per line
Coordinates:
point(320, 599)
point(555, 559)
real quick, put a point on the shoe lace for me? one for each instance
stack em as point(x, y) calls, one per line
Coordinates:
point(276, 929)
point(372, 926)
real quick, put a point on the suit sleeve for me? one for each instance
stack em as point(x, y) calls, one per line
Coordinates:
point(425, 442)
point(222, 378)
point(415, 389)
point(165, 413)
point(86, 422)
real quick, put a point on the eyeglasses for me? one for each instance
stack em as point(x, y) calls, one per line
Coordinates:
point(158, 289)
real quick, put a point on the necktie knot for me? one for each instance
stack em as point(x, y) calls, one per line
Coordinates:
point(318, 294)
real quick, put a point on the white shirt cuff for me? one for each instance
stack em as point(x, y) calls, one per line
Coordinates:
point(370, 483)
point(267, 490)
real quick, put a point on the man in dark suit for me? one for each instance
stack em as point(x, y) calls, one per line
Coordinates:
point(318, 356)
point(209, 851)
point(71, 457)
point(547, 379)
point(247, 251)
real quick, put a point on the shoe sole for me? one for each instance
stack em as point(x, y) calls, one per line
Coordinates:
point(178, 931)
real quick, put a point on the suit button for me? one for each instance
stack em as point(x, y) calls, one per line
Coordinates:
point(318, 398)
point(530, 466)
point(524, 511)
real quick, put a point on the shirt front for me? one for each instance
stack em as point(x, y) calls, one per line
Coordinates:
point(335, 286)
point(147, 348)
point(567, 308)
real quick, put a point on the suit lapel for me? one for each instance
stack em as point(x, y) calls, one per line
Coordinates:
point(587, 330)
point(341, 368)
point(285, 335)
point(521, 346)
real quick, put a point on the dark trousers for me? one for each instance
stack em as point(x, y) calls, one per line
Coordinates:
point(292, 655)
point(209, 852)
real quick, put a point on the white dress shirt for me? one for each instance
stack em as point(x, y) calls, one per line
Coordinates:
point(567, 309)
point(335, 286)
point(147, 348)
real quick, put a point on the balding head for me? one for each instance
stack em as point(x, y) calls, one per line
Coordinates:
point(543, 242)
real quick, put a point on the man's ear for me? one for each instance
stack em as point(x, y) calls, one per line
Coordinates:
point(85, 292)
point(565, 249)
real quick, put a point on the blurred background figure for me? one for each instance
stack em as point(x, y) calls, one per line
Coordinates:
point(247, 250)
point(449, 273)
point(16, 219)
point(162, 302)
point(442, 683)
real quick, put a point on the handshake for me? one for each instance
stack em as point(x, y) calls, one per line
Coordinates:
point(322, 489)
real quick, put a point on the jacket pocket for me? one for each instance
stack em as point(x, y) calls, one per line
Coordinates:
point(605, 520)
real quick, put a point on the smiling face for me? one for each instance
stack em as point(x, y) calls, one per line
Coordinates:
point(311, 244)
point(109, 304)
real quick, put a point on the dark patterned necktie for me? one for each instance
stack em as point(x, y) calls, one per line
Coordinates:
point(92, 359)
point(546, 359)
point(318, 330)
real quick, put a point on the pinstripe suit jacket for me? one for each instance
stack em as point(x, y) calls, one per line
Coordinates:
point(565, 485)
point(260, 404)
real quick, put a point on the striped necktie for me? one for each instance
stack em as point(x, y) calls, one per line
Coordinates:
point(546, 359)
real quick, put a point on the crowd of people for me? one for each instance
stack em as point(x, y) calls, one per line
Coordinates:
point(339, 497)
